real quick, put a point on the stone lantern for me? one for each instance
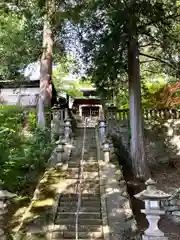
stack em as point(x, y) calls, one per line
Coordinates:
point(152, 198)
point(4, 196)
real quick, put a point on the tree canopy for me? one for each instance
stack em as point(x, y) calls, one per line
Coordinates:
point(105, 29)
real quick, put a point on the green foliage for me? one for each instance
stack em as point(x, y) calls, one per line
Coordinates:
point(107, 30)
point(23, 153)
point(149, 91)
point(20, 42)
point(32, 120)
point(64, 78)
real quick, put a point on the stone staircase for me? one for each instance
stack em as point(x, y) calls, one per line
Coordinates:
point(90, 217)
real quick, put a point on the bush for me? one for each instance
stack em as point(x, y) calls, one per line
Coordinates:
point(23, 153)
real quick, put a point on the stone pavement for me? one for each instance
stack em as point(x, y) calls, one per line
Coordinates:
point(90, 218)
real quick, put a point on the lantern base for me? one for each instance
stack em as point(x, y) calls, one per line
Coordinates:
point(146, 237)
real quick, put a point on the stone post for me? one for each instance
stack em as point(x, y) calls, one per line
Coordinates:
point(152, 198)
point(102, 129)
point(106, 150)
point(66, 113)
point(61, 111)
point(60, 151)
point(80, 111)
point(55, 123)
point(4, 196)
point(61, 130)
point(67, 129)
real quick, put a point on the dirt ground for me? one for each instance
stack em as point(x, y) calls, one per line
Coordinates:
point(168, 180)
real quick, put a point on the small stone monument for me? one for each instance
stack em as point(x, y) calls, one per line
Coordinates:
point(152, 198)
point(4, 196)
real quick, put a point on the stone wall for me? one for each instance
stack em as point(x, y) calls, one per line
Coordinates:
point(162, 138)
point(24, 94)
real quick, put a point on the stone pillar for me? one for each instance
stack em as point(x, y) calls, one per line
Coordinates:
point(67, 129)
point(60, 151)
point(55, 123)
point(106, 150)
point(66, 113)
point(61, 111)
point(152, 198)
point(80, 111)
point(102, 129)
point(101, 113)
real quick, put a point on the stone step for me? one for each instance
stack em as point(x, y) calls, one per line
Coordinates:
point(85, 181)
point(86, 161)
point(82, 209)
point(81, 228)
point(88, 175)
point(84, 197)
point(89, 163)
point(73, 190)
point(83, 204)
point(74, 239)
point(71, 221)
point(82, 215)
point(81, 235)
point(86, 168)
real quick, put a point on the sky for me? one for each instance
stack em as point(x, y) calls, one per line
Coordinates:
point(73, 48)
point(32, 72)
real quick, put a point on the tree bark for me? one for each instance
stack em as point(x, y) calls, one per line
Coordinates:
point(137, 146)
point(46, 72)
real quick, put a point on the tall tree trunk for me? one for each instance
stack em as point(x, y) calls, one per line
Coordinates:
point(46, 72)
point(138, 155)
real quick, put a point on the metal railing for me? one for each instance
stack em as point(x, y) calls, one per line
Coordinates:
point(80, 181)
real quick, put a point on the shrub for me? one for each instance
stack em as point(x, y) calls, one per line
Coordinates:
point(23, 154)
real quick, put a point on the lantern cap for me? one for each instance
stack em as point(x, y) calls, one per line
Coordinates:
point(151, 192)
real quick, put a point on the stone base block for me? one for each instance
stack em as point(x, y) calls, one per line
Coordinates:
point(145, 237)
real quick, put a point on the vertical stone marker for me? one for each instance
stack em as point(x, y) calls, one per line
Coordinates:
point(152, 198)
point(102, 129)
point(67, 129)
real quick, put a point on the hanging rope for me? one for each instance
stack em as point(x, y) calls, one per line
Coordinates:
point(80, 180)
